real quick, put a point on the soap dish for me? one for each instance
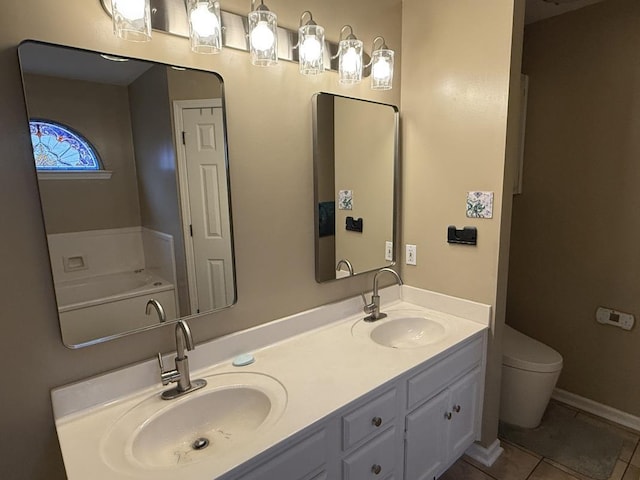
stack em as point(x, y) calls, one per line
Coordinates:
point(243, 360)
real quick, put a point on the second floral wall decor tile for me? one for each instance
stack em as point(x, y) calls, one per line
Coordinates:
point(480, 204)
point(345, 200)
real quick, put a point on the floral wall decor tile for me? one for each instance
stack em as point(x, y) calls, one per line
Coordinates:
point(345, 200)
point(480, 204)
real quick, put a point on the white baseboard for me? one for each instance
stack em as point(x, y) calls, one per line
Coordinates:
point(604, 411)
point(485, 455)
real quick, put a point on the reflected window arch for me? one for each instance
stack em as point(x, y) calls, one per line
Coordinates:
point(57, 147)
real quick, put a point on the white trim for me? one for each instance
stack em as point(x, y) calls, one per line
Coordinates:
point(609, 413)
point(97, 233)
point(183, 185)
point(75, 175)
point(485, 455)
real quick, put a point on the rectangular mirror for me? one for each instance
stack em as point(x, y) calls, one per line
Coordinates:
point(132, 168)
point(355, 155)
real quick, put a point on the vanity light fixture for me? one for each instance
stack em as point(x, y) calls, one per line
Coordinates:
point(311, 46)
point(263, 35)
point(381, 66)
point(132, 20)
point(205, 27)
point(349, 58)
point(204, 23)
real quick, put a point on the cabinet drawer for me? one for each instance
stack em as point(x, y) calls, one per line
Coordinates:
point(432, 380)
point(368, 419)
point(296, 463)
point(374, 460)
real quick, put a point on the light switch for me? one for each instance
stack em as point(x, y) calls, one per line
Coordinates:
point(411, 254)
point(388, 251)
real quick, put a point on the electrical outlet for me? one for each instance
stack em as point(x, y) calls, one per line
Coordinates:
point(388, 251)
point(411, 254)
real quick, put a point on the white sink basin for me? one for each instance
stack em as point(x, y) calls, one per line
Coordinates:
point(403, 329)
point(161, 434)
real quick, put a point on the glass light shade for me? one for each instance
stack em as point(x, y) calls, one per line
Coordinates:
point(263, 37)
point(311, 49)
point(205, 26)
point(382, 69)
point(350, 61)
point(131, 20)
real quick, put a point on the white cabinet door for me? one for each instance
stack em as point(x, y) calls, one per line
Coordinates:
point(427, 439)
point(464, 411)
point(442, 429)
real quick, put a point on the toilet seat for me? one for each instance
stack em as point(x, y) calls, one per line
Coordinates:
point(526, 353)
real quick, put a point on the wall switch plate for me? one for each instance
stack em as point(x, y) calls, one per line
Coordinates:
point(608, 316)
point(388, 251)
point(411, 254)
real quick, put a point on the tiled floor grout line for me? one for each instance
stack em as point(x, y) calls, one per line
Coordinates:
point(534, 468)
point(480, 470)
point(631, 458)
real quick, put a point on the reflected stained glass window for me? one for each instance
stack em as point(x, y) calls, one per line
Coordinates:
point(58, 148)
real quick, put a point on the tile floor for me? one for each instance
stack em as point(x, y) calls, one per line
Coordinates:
point(517, 463)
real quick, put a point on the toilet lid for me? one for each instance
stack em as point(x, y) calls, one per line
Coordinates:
point(526, 353)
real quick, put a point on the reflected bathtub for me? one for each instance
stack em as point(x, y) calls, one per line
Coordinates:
point(105, 305)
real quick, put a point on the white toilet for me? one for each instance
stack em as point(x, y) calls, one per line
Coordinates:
point(530, 370)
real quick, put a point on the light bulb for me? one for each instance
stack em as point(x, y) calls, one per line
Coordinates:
point(381, 69)
point(310, 49)
point(262, 37)
point(204, 22)
point(131, 9)
point(350, 61)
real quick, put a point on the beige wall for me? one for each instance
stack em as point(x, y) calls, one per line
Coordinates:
point(364, 163)
point(270, 148)
point(456, 82)
point(576, 225)
point(79, 205)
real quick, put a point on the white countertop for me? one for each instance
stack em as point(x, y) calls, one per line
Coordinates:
point(322, 369)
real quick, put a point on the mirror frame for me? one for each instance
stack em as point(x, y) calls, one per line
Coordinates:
point(397, 182)
point(180, 200)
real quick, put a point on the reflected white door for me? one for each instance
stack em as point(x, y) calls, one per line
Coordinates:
point(209, 208)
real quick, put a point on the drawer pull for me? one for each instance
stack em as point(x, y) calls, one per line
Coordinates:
point(457, 408)
point(376, 469)
point(376, 421)
point(448, 415)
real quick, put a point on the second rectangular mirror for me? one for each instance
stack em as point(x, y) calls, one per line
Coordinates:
point(356, 185)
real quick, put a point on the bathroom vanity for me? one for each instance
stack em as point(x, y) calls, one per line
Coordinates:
point(328, 397)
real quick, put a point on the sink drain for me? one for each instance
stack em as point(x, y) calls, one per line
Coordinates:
point(200, 444)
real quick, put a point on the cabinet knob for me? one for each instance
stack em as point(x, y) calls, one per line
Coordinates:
point(376, 421)
point(376, 469)
point(457, 408)
point(448, 415)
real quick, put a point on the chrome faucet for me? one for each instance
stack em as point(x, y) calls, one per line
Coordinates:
point(346, 262)
point(373, 308)
point(180, 374)
point(153, 303)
